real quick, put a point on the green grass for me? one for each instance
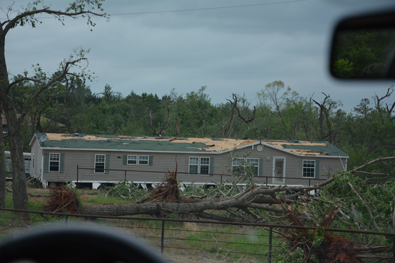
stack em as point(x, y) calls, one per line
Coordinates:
point(9, 218)
point(206, 237)
point(243, 240)
point(259, 240)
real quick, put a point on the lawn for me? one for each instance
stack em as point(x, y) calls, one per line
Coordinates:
point(183, 241)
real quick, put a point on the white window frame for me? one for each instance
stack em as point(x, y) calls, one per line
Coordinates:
point(199, 165)
point(194, 164)
point(244, 162)
point(248, 162)
point(141, 160)
point(284, 169)
point(237, 166)
point(135, 159)
point(303, 168)
point(54, 161)
point(204, 165)
point(104, 164)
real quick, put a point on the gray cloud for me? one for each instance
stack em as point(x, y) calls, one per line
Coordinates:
point(232, 50)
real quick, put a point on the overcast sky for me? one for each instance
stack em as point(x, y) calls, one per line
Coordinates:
point(230, 46)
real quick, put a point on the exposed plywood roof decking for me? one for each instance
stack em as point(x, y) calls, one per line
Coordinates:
point(207, 144)
point(302, 147)
point(173, 144)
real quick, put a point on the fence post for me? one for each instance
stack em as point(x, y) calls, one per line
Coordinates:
point(270, 243)
point(125, 176)
point(162, 236)
point(67, 217)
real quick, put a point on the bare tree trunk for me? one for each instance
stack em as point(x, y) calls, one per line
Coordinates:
point(19, 193)
point(157, 208)
point(234, 105)
point(18, 170)
point(325, 113)
point(32, 125)
point(260, 198)
point(2, 165)
point(158, 131)
point(38, 123)
point(321, 123)
point(229, 129)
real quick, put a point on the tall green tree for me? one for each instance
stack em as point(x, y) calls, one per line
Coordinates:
point(277, 98)
point(368, 132)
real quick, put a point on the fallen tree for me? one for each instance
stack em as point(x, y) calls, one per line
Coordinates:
point(345, 200)
point(62, 199)
point(241, 205)
point(226, 202)
point(286, 204)
point(318, 244)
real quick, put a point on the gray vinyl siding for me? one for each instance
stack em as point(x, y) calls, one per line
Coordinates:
point(164, 162)
point(293, 167)
point(36, 170)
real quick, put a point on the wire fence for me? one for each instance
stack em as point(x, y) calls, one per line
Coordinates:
point(218, 241)
point(135, 175)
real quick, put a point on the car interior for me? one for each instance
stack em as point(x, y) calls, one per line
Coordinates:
point(90, 244)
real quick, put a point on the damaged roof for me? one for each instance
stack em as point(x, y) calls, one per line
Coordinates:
point(177, 144)
point(308, 147)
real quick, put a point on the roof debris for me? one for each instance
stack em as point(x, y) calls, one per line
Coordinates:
point(301, 147)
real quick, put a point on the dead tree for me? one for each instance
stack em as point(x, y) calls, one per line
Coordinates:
point(247, 120)
point(177, 126)
point(2, 162)
point(159, 129)
point(227, 129)
point(378, 100)
point(325, 108)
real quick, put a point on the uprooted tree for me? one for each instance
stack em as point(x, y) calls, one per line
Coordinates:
point(227, 201)
point(27, 16)
point(345, 200)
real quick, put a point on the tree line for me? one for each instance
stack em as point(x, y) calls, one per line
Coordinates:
point(365, 133)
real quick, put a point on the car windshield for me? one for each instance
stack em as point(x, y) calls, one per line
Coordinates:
point(208, 129)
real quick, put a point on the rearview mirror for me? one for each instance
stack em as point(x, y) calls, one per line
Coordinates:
point(363, 47)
